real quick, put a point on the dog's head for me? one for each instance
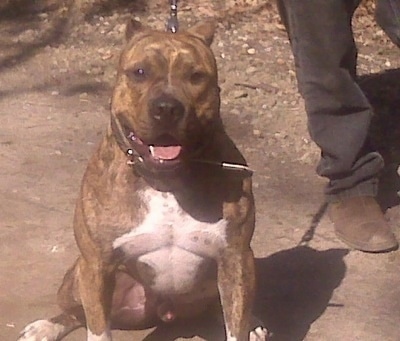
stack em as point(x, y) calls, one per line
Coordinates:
point(166, 97)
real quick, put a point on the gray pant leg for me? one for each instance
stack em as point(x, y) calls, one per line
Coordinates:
point(387, 15)
point(339, 114)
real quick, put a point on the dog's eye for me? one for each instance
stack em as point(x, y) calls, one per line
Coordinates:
point(197, 77)
point(140, 72)
point(137, 74)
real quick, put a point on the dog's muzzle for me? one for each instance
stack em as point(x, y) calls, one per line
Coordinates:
point(164, 152)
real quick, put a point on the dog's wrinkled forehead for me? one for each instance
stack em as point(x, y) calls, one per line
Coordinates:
point(186, 48)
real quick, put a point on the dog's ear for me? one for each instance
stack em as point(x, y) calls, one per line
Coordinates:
point(204, 30)
point(133, 27)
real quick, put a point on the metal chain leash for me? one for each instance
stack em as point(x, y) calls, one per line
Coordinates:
point(172, 23)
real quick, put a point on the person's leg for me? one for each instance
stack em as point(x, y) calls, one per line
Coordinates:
point(387, 15)
point(339, 116)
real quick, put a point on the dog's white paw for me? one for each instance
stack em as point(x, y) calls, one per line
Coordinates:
point(41, 330)
point(258, 334)
point(106, 336)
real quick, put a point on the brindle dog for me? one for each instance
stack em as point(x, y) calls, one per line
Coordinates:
point(163, 230)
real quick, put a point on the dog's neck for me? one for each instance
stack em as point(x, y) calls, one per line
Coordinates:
point(168, 181)
point(200, 188)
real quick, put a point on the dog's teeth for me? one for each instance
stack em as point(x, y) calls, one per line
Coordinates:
point(161, 161)
point(151, 148)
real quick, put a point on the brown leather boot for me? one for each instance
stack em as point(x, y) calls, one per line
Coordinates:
point(359, 222)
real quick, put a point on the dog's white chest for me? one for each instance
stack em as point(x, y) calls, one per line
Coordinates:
point(171, 248)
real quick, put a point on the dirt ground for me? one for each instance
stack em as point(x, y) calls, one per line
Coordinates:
point(54, 96)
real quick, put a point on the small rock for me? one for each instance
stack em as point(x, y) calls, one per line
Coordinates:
point(107, 56)
point(257, 133)
point(280, 26)
point(251, 51)
point(121, 28)
point(251, 69)
point(239, 94)
point(97, 70)
point(235, 111)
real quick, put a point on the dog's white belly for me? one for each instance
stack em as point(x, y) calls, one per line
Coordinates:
point(171, 250)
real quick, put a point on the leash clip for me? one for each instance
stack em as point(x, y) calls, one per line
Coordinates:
point(229, 166)
point(172, 23)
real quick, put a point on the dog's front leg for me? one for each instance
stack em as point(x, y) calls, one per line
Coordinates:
point(96, 285)
point(236, 285)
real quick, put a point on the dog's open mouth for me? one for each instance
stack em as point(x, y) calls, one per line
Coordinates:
point(165, 152)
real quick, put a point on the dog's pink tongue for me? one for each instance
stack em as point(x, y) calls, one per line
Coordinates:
point(165, 152)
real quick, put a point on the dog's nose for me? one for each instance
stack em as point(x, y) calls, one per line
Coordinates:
point(166, 110)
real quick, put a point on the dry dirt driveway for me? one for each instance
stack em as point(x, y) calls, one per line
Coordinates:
point(54, 94)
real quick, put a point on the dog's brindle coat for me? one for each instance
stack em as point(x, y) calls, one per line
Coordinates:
point(163, 238)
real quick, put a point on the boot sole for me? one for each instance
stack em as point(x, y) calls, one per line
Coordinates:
point(377, 248)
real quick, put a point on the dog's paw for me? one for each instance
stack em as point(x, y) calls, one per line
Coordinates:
point(41, 330)
point(258, 334)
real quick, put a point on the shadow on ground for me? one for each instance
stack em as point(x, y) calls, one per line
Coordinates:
point(294, 288)
point(26, 15)
point(75, 84)
point(383, 92)
point(105, 7)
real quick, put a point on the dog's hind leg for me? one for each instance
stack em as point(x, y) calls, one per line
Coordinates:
point(57, 327)
point(53, 329)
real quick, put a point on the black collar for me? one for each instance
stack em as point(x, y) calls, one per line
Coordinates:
point(136, 160)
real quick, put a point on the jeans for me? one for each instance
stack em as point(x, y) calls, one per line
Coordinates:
point(338, 112)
